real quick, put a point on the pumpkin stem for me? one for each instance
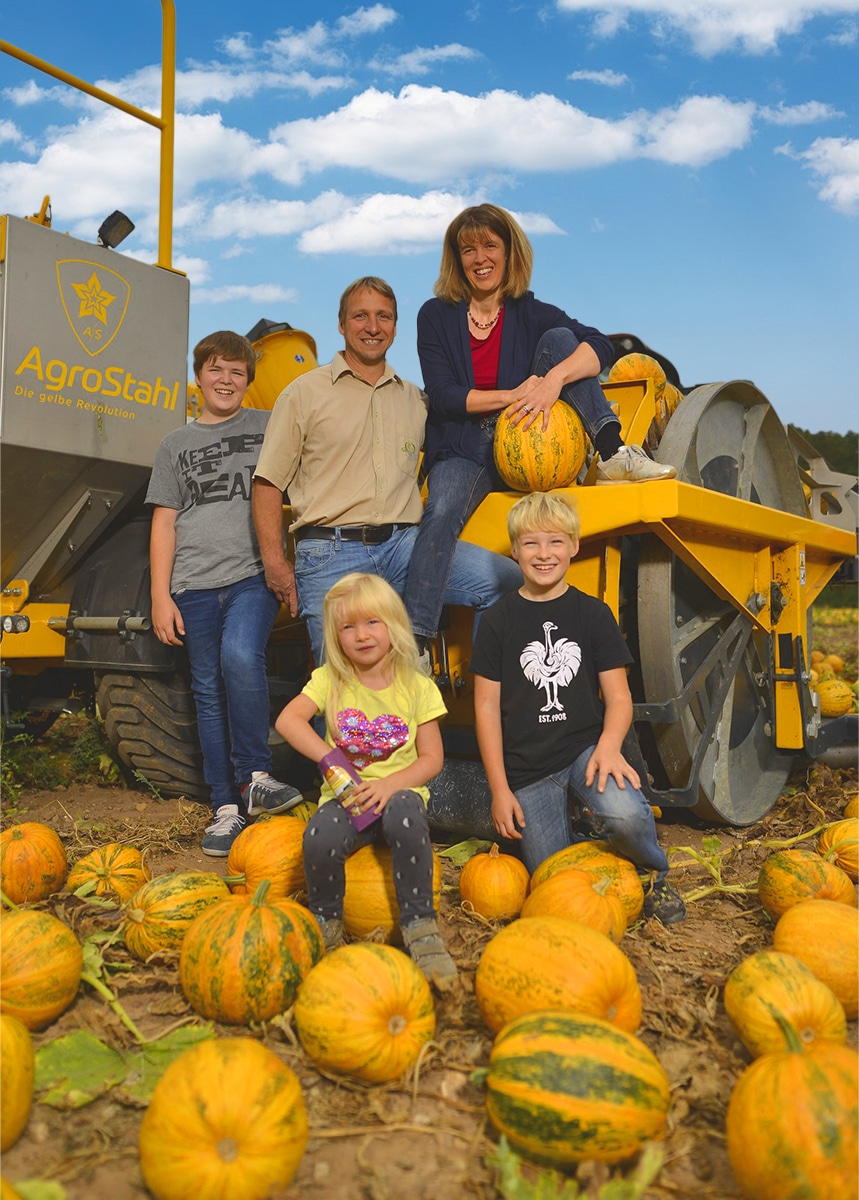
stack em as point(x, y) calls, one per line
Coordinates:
point(107, 994)
point(791, 1037)
point(258, 898)
point(493, 853)
point(396, 1024)
point(9, 903)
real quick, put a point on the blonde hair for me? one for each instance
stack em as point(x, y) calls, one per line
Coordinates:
point(356, 597)
point(370, 283)
point(451, 284)
point(543, 512)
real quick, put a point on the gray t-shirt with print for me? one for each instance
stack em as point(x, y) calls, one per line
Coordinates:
point(205, 472)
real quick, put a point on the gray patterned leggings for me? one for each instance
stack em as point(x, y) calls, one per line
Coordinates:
point(331, 837)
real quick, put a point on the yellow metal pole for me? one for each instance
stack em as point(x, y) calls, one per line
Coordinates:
point(165, 123)
point(168, 122)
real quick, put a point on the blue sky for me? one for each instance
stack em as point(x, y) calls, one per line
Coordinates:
point(688, 173)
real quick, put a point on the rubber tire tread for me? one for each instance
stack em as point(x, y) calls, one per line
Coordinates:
point(150, 722)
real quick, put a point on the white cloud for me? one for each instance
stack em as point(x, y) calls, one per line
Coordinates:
point(835, 162)
point(605, 78)
point(366, 20)
point(422, 59)
point(407, 136)
point(31, 93)
point(847, 35)
point(755, 26)
point(255, 293)
point(387, 223)
point(699, 131)
point(245, 218)
point(799, 114)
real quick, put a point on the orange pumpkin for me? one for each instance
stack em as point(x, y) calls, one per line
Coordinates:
point(825, 936)
point(770, 983)
point(32, 862)
point(553, 962)
point(836, 696)
point(494, 884)
point(226, 1121)
point(370, 900)
point(158, 915)
point(529, 460)
point(791, 1123)
point(576, 896)
point(113, 868)
point(596, 859)
point(269, 849)
point(790, 876)
point(840, 844)
point(17, 1070)
point(243, 959)
point(365, 1010)
point(40, 967)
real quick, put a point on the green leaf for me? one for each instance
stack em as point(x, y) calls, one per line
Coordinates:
point(40, 1189)
point(75, 1069)
point(547, 1185)
point(463, 851)
point(148, 1064)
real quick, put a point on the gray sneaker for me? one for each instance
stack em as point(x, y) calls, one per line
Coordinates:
point(632, 465)
point(423, 941)
point(663, 903)
point(265, 794)
point(332, 932)
point(224, 830)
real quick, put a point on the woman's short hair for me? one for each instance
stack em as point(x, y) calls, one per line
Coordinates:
point(228, 345)
point(451, 284)
point(543, 512)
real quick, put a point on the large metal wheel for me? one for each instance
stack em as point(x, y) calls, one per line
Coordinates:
point(728, 439)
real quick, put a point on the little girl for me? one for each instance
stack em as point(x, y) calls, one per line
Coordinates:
point(382, 712)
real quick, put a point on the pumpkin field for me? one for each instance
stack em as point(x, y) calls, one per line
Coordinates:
point(349, 1104)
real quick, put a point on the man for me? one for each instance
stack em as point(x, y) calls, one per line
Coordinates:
point(344, 441)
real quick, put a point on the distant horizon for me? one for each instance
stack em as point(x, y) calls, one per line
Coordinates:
point(689, 175)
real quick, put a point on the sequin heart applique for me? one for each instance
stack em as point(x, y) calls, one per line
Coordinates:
point(366, 741)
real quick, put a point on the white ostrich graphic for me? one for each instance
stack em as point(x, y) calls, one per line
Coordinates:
point(551, 666)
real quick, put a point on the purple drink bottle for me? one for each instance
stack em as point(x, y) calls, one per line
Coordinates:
point(342, 778)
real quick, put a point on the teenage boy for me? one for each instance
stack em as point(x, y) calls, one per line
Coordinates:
point(208, 585)
point(550, 743)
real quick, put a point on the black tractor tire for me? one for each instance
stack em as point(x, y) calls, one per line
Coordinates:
point(150, 722)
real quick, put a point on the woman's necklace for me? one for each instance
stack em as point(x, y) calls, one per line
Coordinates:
point(487, 324)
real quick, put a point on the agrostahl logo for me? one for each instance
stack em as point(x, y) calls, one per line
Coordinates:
point(95, 300)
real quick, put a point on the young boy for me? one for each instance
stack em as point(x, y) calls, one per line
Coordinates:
point(208, 587)
point(551, 747)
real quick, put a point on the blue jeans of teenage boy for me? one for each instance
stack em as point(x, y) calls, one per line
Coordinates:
point(477, 577)
point(226, 632)
point(455, 487)
point(561, 809)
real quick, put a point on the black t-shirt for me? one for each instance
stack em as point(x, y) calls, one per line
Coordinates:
point(547, 656)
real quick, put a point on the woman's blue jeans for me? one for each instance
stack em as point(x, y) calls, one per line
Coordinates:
point(455, 487)
point(561, 809)
point(226, 632)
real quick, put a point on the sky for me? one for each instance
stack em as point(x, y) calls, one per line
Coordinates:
point(686, 172)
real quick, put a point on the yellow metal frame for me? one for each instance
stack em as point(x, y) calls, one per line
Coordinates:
point(165, 123)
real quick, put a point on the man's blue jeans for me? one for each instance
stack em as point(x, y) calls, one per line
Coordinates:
point(456, 486)
point(477, 577)
point(561, 809)
point(226, 632)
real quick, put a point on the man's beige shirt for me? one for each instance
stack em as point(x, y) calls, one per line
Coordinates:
point(345, 451)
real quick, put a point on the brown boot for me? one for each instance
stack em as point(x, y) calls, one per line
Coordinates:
point(424, 943)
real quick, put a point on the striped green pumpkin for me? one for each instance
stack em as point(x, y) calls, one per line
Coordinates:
point(158, 914)
point(529, 460)
point(557, 963)
point(564, 1087)
point(243, 959)
point(365, 1010)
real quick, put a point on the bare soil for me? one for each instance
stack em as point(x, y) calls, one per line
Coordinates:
point(427, 1137)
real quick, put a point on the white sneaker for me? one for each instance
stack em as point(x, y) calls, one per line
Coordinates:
point(224, 830)
point(631, 465)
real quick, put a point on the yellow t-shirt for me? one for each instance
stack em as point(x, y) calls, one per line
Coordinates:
point(377, 730)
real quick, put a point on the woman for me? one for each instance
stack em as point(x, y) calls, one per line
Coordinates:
point(485, 343)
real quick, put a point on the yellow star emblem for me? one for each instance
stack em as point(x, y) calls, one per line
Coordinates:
point(94, 300)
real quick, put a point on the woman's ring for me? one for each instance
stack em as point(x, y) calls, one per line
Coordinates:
point(525, 408)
